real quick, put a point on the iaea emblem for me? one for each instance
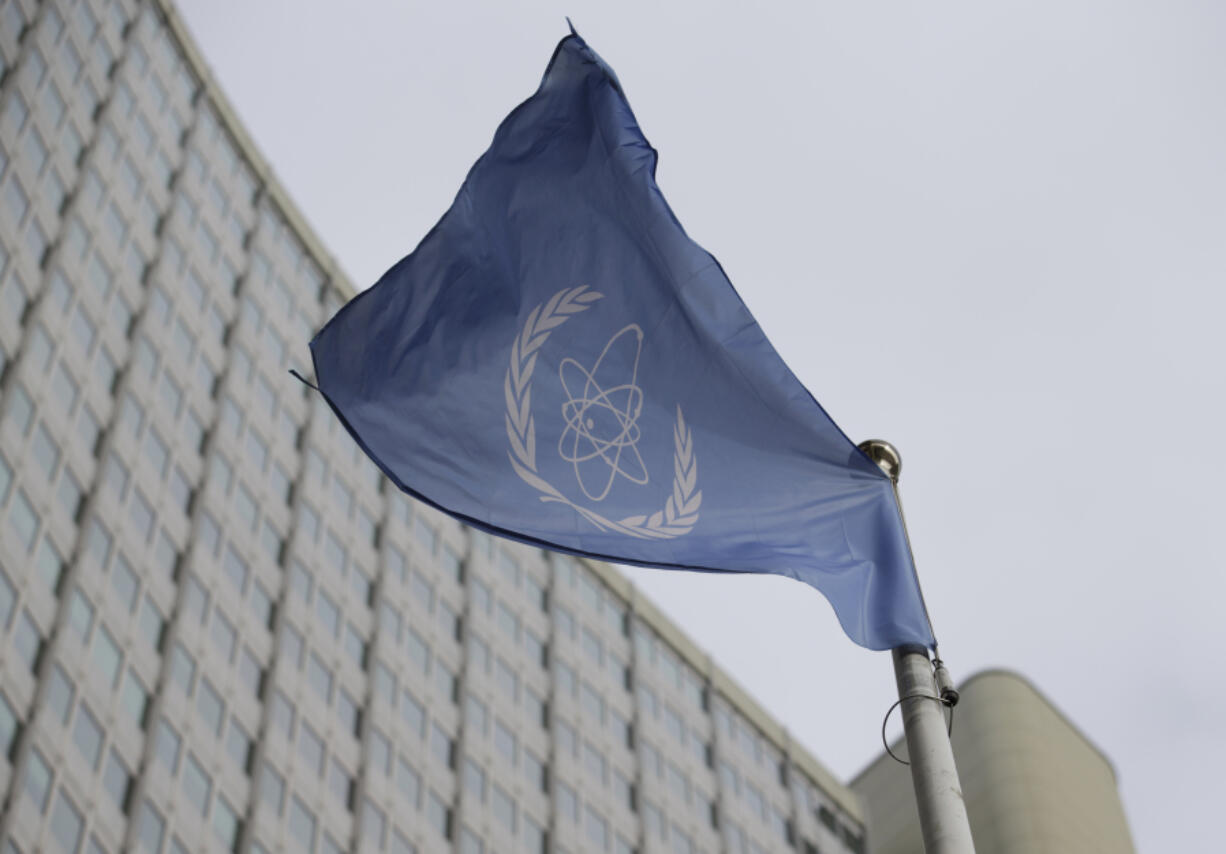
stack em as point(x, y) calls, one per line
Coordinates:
point(600, 415)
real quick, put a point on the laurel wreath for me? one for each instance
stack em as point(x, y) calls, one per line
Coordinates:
point(680, 511)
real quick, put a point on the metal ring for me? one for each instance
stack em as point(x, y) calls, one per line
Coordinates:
point(896, 704)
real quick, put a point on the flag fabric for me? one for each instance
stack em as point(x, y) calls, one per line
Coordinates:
point(559, 363)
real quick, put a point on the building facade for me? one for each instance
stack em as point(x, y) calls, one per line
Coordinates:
point(1033, 783)
point(220, 629)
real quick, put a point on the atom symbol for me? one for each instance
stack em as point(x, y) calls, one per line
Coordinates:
point(602, 432)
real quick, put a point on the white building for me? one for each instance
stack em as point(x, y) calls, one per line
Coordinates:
point(1033, 783)
point(220, 629)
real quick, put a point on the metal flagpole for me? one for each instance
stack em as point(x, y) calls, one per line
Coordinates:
point(938, 793)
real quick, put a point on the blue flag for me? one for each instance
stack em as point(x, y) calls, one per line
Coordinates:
point(557, 362)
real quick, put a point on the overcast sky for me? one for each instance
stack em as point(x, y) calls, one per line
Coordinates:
point(993, 234)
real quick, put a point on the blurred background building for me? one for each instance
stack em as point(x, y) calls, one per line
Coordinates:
point(220, 629)
point(1033, 783)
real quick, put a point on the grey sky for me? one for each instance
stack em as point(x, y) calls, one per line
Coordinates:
point(994, 234)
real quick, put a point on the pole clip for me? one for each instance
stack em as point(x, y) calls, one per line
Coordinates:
point(945, 683)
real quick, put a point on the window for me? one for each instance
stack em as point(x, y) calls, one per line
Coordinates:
point(504, 741)
point(653, 820)
point(534, 837)
point(347, 711)
point(152, 828)
point(9, 725)
point(389, 618)
point(445, 681)
point(535, 648)
point(245, 506)
point(197, 784)
point(425, 535)
point(568, 802)
point(23, 520)
point(418, 650)
point(80, 615)
point(407, 780)
point(182, 668)
point(141, 515)
point(673, 724)
point(20, 410)
point(310, 748)
point(593, 760)
point(249, 671)
point(88, 428)
point(329, 613)
point(151, 622)
point(421, 591)
point(171, 394)
point(360, 584)
point(470, 843)
point(624, 790)
point(38, 779)
point(283, 714)
point(210, 706)
point(66, 824)
point(261, 605)
point(272, 788)
point(335, 554)
point(196, 599)
point(682, 844)
point(236, 569)
point(291, 646)
point(474, 780)
point(374, 824)
point(380, 752)
point(651, 759)
point(117, 781)
point(107, 656)
point(166, 745)
point(506, 679)
point(27, 640)
point(565, 679)
point(567, 741)
point(478, 655)
point(413, 713)
point(439, 815)
point(87, 735)
point(39, 347)
point(441, 746)
point(18, 203)
point(60, 692)
point(597, 829)
point(535, 707)
point(647, 699)
point(301, 824)
point(593, 703)
point(678, 782)
point(534, 771)
point(320, 678)
point(226, 823)
point(753, 797)
point(565, 622)
point(355, 646)
point(341, 784)
point(135, 699)
point(271, 541)
point(238, 745)
point(45, 452)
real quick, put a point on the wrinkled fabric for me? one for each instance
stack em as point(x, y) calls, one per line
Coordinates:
point(558, 363)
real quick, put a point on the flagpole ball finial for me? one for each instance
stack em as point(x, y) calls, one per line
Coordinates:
point(885, 455)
